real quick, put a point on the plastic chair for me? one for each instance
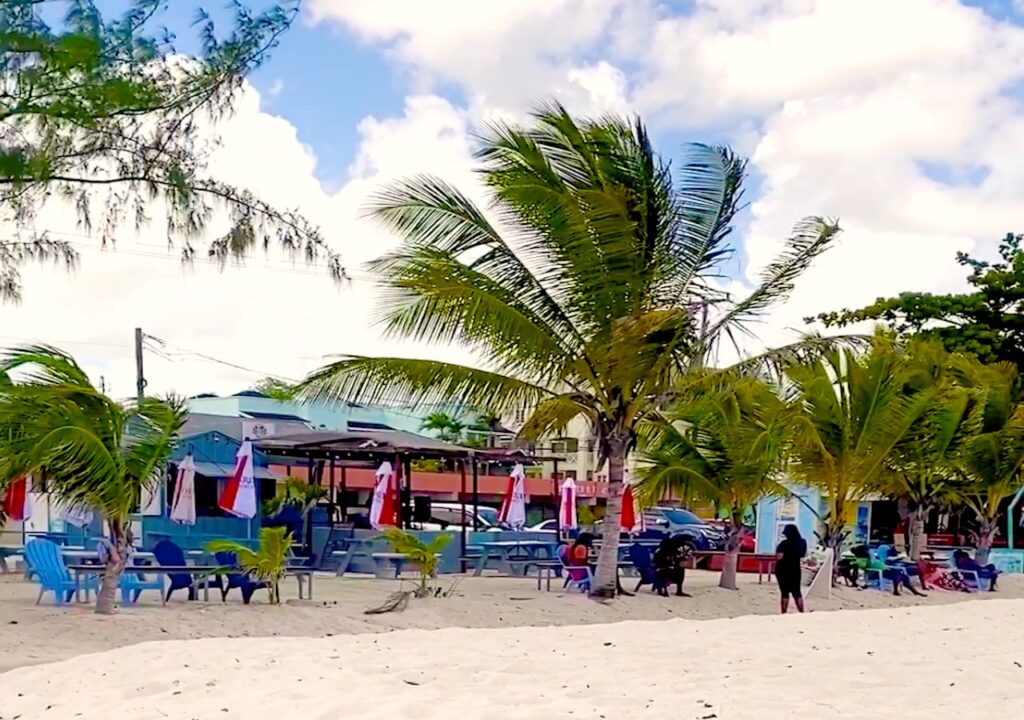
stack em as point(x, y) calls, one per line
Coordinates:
point(239, 580)
point(167, 553)
point(48, 565)
point(576, 576)
point(644, 565)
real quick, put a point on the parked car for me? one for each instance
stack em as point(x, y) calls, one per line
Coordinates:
point(747, 541)
point(449, 516)
point(550, 526)
point(676, 522)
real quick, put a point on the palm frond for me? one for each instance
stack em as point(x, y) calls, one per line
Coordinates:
point(553, 414)
point(811, 237)
point(418, 383)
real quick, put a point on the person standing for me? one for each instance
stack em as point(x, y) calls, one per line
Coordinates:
point(788, 555)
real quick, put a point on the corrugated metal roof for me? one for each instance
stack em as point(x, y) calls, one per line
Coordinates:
point(216, 470)
point(201, 423)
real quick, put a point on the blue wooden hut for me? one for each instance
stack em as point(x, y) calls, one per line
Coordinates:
point(214, 442)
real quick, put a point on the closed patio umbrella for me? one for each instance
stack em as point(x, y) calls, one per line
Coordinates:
point(567, 506)
point(513, 505)
point(239, 496)
point(18, 500)
point(183, 510)
point(384, 510)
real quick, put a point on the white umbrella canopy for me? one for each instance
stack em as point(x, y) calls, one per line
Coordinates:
point(183, 510)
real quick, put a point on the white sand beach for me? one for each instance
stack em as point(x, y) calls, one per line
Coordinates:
point(959, 660)
point(31, 634)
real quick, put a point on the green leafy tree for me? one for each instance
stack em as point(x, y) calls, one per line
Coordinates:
point(596, 292)
point(275, 389)
point(855, 411)
point(94, 451)
point(986, 322)
point(445, 426)
point(100, 114)
point(265, 564)
point(424, 555)
point(726, 444)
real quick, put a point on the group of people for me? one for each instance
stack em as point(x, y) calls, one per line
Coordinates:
point(671, 556)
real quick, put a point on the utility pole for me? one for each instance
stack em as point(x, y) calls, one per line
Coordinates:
point(140, 378)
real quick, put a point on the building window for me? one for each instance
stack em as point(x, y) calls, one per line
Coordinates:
point(565, 445)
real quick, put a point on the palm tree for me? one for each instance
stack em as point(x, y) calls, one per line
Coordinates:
point(587, 288)
point(855, 411)
point(94, 451)
point(447, 427)
point(726, 445)
point(991, 461)
point(924, 465)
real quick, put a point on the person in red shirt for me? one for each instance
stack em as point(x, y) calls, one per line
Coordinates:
point(579, 552)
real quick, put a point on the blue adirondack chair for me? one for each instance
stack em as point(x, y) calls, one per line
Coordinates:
point(168, 553)
point(644, 565)
point(239, 580)
point(47, 563)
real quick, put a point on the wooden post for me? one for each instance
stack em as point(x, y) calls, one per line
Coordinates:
point(558, 501)
point(476, 494)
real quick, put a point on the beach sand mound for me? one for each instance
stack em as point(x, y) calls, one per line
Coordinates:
point(964, 661)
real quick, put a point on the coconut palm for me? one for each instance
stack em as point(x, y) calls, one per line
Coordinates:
point(587, 288)
point(924, 466)
point(726, 445)
point(445, 426)
point(992, 460)
point(94, 451)
point(267, 563)
point(856, 409)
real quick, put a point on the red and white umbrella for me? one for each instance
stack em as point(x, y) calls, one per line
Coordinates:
point(18, 500)
point(239, 496)
point(567, 505)
point(183, 510)
point(513, 505)
point(384, 509)
point(631, 520)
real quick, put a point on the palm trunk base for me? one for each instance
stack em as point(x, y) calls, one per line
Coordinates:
point(730, 569)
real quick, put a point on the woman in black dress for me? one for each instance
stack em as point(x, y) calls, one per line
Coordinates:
point(790, 552)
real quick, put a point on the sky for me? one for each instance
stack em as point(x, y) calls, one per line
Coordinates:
point(902, 118)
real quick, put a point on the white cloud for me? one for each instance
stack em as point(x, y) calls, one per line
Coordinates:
point(272, 316)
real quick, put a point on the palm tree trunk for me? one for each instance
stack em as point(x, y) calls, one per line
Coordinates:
point(730, 567)
point(917, 531)
point(606, 577)
point(117, 558)
point(986, 535)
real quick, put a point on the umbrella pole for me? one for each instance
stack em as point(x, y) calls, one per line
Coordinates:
point(462, 502)
point(558, 502)
point(476, 494)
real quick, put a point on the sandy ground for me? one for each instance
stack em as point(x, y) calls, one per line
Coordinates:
point(954, 660)
point(31, 634)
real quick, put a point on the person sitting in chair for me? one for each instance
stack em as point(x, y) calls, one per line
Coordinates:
point(988, 572)
point(670, 565)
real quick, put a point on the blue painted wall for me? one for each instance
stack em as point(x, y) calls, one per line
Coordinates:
point(208, 447)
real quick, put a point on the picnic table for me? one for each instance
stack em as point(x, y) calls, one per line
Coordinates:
point(93, 556)
point(7, 551)
point(514, 556)
point(354, 547)
point(201, 576)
